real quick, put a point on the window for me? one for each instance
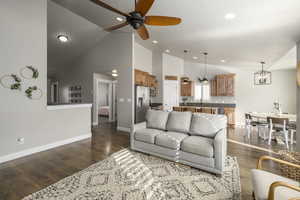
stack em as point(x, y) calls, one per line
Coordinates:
point(202, 92)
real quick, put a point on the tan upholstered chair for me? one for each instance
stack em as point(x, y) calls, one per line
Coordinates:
point(269, 186)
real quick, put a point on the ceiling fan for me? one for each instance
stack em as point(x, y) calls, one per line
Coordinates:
point(137, 18)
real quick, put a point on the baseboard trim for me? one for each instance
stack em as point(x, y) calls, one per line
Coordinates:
point(252, 146)
point(34, 150)
point(95, 124)
point(124, 129)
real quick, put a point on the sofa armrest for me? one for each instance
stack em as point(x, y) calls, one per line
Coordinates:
point(220, 148)
point(136, 127)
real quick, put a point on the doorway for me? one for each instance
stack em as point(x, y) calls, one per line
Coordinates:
point(171, 94)
point(104, 107)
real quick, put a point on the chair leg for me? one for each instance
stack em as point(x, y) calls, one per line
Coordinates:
point(253, 195)
point(248, 131)
point(270, 136)
point(286, 139)
point(265, 136)
point(292, 137)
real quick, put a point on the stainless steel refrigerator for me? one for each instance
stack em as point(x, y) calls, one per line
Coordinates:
point(142, 103)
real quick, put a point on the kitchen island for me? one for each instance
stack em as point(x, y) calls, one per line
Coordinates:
point(227, 109)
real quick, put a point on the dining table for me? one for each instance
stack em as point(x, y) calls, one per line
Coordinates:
point(263, 116)
point(260, 116)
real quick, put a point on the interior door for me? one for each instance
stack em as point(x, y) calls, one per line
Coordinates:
point(171, 94)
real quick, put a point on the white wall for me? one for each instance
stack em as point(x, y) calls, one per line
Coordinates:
point(142, 58)
point(24, 42)
point(115, 51)
point(172, 65)
point(249, 97)
point(157, 70)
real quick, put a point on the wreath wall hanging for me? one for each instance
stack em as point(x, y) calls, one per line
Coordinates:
point(14, 82)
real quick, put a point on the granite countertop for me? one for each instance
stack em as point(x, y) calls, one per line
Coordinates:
point(207, 104)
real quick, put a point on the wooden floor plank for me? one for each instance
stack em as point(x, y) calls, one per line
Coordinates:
point(24, 176)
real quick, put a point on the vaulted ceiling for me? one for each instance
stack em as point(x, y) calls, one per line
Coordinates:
point(262, 29)
point(82, 33)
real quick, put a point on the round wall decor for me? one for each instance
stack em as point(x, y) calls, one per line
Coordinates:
point(12, 82)
point(29, 72)
point(33, 92)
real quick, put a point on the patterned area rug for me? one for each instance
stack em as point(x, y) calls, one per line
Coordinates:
point(129, 175)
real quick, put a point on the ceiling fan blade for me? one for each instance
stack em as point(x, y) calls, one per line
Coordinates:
point(143, 32)
point(112, 28)
point(104, 5)
point(162, 20)
point(143, 6)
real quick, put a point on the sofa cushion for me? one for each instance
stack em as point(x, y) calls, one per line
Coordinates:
point(198, 145)
point(207, 125)
point(170, 140)
point(261, 181)
point(147, 135)
point(157, 119)
point(179, 121)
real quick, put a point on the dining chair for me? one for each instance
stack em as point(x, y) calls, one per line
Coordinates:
point(207, 110)
point(251, 122)
point(191, 109)
point(178, 109)
point(292, 127)
point(278, 125)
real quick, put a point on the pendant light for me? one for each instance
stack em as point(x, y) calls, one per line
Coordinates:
point(185, 80)
point(262, 77)
point(205, 81)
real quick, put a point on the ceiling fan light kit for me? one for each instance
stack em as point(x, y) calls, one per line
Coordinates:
point(137, 19)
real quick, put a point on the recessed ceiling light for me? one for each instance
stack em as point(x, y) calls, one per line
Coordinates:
point(120, 19)
point(195, 57)
point(114, 71)
point(168, 51)
point(115, 75)
point(223, 61)
point(63, 38)
point(230, 16)
point(154, 41)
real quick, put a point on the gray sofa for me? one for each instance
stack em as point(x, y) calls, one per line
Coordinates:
point(198, 139)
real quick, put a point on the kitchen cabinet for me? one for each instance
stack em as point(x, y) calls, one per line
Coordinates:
point(230, 113)
point(144, 79)
point(230, 84)
point(186, 87)
point(140, 77)
point(213, 88)
point(223, 85)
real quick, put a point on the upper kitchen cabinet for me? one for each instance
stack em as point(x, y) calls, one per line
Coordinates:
point(142, 78)
point(213, 88)
point(223, 85)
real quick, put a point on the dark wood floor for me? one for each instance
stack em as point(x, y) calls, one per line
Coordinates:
point(24, 176)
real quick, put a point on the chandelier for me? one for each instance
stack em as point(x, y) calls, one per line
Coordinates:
point(262, 77)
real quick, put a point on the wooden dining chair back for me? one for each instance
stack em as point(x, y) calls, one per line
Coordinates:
point(278, 121)
point(277, 124)
point(191, 109)
point(207, 110)
point(178, 109)
point(248, 116)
